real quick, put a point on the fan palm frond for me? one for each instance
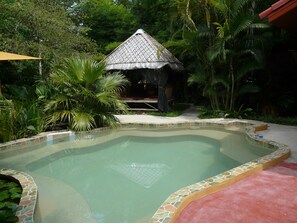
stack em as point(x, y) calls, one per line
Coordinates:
point(113, 83)
point(84, 95)
point(82, 121)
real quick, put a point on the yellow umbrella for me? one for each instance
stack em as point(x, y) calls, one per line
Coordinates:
point(12, 56)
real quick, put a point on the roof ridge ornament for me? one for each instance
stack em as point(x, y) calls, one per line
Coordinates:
point(139, 31)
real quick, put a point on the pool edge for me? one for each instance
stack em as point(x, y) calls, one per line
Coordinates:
point(27, 204)
point(174, 204)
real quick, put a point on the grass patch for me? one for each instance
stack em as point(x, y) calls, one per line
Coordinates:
point(276, 120)
point(175, 110)
point(205, 113)
point(240, 114)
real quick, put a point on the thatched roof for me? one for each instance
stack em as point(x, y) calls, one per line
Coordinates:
point(141, 51)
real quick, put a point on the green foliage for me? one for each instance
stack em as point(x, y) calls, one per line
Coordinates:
point(10, 194)
point(204, 113)
point(19, 119)
point(84, 96)
point(175, 110)
point(110, 47)
point(108, 22)
point(222, 45)
point(210, 113)
point(247, 113)
point(41, 28)
point(155, 17)
point(239, 114)
point(277, 120)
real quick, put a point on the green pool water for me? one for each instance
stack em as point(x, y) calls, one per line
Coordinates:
point(125, 175)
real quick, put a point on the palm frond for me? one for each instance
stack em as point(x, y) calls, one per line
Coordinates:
point(218, 80)
point(198, 77)
point(82, 121)
point(70, 70)
point(220, 6)
point(92, 71)
point(260, 26)
point(84, 96)
point(215, 51)
point(238, 6)
point(113, 83)
point(256, 54)
point(220, 29)
point(249, 88)
point(58, 116)
point(244, 25)
point(246, 68)
point(58, 102)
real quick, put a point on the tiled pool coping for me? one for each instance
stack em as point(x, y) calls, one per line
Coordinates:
point(26, 208)
point(175, 203)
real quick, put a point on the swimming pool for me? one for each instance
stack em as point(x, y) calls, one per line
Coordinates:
point(124, 175)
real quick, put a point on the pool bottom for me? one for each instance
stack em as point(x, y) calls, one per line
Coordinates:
point(172, 206)
point(132, 170)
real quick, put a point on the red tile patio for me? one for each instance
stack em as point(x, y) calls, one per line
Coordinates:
point(265, 197)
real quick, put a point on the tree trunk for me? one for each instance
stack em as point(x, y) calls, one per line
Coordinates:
point(232, 85)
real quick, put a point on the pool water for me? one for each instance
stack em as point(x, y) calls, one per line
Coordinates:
point(125, 175)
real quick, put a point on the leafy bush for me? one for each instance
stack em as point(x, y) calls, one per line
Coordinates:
point(246, 114)
point(209, 113)
point(83, 95)
point(19, 119)
point(240, 114)
point(10, 194)
point(277, 120)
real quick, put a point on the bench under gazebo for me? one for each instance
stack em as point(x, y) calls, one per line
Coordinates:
point(148, 65)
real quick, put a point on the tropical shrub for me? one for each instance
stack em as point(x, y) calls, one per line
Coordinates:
point(239, 114)
point(175, 110)
point(10, 194)
point(84, 95)
point(222, 41)
point(19, 119)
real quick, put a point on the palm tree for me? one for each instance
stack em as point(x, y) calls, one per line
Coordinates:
point(223, 38)
point(234, 46)
point(84, 96)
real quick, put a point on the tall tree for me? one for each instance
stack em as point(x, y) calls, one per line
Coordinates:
point(229, 50)
point(41, 28)
point(108, 21)
point(155, 17)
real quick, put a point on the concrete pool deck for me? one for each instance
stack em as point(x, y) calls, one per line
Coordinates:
point(276, 185)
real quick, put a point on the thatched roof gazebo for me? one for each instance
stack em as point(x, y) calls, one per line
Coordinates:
point(143, 53)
